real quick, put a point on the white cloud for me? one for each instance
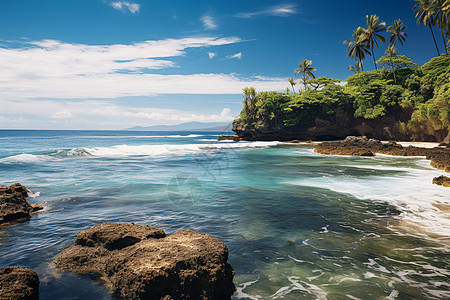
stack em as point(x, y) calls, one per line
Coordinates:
point(92, 113)
point(208, 22)
point(211, 55)
point(283, 10)
point(64, 114)
point(124, 6)
point(237, 55)
point(54, 69)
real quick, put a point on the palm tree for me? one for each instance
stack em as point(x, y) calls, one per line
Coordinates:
point(441, 18)
point(305, 68)
point(292, 83)
point(397, 32)
point(357, 48)
point(355, 68)
point(372, 34)
point(424, 10)
point(391, 51)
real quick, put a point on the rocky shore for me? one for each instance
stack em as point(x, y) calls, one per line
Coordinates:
point(362, 146)
point(142, 262)
point(13, 204)
point(17, 283)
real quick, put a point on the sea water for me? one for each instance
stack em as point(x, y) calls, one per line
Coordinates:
point(298, 225)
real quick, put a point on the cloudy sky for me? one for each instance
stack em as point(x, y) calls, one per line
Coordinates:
point(108, 64)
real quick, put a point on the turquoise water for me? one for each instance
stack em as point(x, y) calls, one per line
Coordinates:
point(298, 225)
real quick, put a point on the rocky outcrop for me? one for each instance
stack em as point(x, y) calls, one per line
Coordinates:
point(442, 180)
point(141, 262)
point(337, 126)
point(13, 204)
point(19, 284)
point(439, 156)
point(234, 138)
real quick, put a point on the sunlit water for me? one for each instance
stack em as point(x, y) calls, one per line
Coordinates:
point(297, 224)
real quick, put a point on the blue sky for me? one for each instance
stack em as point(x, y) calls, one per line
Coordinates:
point(112, 64)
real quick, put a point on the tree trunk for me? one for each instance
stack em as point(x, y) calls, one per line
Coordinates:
point(393, 71)
point(445, 43)
point(373, 56)
point(434, 39)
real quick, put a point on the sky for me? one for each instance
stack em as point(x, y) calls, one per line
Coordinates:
point(112, 64)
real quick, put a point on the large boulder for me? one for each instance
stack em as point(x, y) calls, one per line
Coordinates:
point(442, 180)
point(13, 204)
point(19, 284)
point(141, 262)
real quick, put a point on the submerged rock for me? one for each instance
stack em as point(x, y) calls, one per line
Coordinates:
point(442, 180)
point(234, 138)
point(18, 283)
point(13, 204)
point(141, 262)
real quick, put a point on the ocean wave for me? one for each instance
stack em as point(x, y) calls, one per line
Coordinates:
point(421, 203)
point(127, 150)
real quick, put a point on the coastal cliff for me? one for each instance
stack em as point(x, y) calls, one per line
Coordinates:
point(338, 126)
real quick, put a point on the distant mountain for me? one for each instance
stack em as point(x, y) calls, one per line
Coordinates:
point(189, 126)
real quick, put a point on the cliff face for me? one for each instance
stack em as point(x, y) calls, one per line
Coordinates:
point(338, 126)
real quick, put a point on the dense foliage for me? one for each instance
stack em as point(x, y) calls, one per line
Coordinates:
point(424, 92)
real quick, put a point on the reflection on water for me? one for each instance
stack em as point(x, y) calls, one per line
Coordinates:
point(297, 224)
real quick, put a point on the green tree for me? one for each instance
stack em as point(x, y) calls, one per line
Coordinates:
point(425, 10)
point(373, 33)
point(397, 32)
point(249, 103)
point(305, 68)
point(357, 48)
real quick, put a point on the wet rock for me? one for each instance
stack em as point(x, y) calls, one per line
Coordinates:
point(13, 204)
point(141, 262)
point(234, 138)
point(442, 180)
point(19, 284)
point(352, 145)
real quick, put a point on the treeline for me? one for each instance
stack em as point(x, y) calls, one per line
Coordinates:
point(396, 85)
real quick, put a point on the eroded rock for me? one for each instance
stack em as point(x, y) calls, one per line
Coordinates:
point(442, 180)
point(141, 262)
point(362, 146)
point(19, 284)
point(13, 204)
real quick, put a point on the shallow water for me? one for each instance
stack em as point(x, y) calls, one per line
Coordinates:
point(297, 224)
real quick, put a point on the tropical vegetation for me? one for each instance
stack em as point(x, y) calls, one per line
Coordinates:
point(399, 87)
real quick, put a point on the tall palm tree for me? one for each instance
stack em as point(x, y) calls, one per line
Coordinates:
point(355, 68)
point(397, 32)
point(373, 33)
point(292, 83)
point(305, 68)
point(441, 18)
point(424, 10)
point(357, 48)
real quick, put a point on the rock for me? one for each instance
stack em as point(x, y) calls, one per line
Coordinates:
point(361, 146)
point(141, 262)
point(234, 138)
point(442, 180)
point(13, 204)
point(18, 283)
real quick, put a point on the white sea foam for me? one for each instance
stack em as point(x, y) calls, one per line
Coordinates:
point(127, 150)
point(411, 191)
point(25, 158)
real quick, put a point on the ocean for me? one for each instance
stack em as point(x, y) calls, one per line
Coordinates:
point(298, 225)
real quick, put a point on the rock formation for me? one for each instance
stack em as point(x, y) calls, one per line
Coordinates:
point(141, 262)
point(19, 284)
point(442, 180)
point(13, 204)
point(234, 138)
